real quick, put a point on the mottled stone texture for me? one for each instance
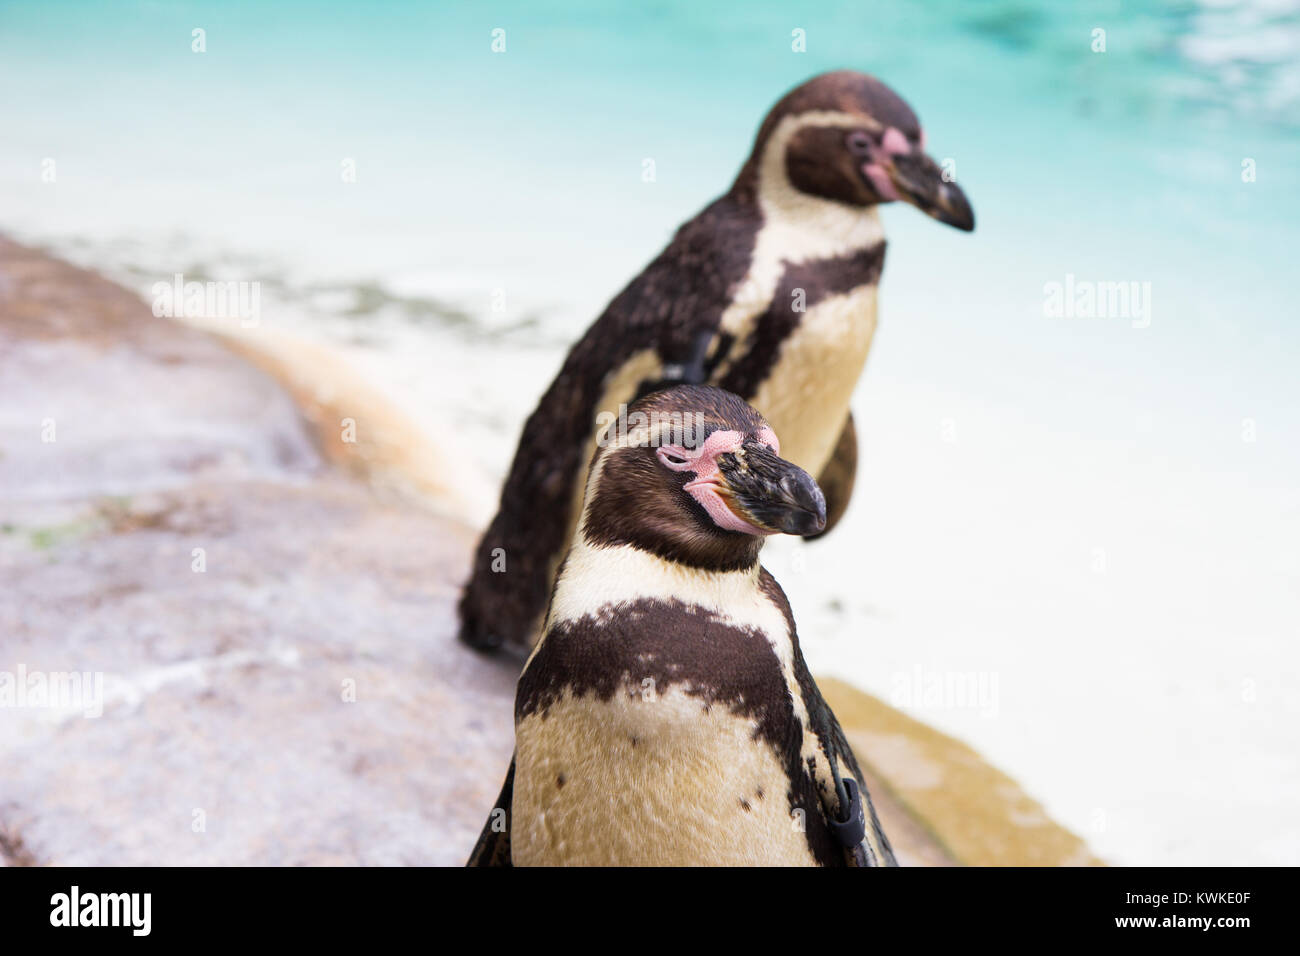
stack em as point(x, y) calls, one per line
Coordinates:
point(225, 736)
point(223, 691)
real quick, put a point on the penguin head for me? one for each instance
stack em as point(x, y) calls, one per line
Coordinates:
point(694, 474)
point(846, 137)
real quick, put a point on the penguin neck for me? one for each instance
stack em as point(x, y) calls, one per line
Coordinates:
point(596, 577)
point(719, 552)
point(817, 227)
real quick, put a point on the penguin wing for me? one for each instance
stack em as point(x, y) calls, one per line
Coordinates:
point(661, 330)
point(874, 850)
point(493, 846)
point(678, 300)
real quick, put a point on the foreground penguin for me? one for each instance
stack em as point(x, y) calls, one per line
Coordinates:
point(666, 716)
point(770, 293)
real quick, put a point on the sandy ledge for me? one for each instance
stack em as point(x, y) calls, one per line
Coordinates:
point(330, 572)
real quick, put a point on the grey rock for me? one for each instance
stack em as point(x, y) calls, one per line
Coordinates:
point(300, 700)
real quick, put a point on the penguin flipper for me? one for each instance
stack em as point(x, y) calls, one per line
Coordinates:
point(837, 477)
point(671, 311)
point(505, 597)
point(874, 850)
point(696, 365)
point(493, 846)
point(872, 847)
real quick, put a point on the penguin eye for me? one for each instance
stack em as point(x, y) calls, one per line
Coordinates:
point(858, 141)
point(676, 458)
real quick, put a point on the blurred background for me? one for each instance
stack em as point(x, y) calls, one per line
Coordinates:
point(1095, 521)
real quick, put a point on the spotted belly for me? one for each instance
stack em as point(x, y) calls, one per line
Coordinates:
point(650, 778)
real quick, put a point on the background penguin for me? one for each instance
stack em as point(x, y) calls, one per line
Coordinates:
point(770, 293)
point(666, 716)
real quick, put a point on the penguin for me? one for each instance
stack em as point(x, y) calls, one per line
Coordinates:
point(770, 293)
point(666, 716)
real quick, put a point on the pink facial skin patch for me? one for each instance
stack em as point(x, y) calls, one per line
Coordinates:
point(704, 487)
point(880, 181)
point(894, 142)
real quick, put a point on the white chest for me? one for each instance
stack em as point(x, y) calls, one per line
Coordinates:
point(806, 397)
point(653, 773)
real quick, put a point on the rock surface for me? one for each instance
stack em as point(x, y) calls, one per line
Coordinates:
point(302, 698)
point(270, 611)
point(942, 801)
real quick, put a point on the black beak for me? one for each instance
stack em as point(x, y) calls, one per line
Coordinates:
point(770, 492)
point(920, 181)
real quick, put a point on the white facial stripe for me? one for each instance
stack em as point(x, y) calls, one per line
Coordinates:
point(796, 228)
point(823, 227)
point(639, 437)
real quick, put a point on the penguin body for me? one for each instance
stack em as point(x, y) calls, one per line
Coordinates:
point(666, 716)
point(769, 293)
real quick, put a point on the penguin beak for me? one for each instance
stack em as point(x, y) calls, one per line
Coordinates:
point(919, 180)
point(769, 492)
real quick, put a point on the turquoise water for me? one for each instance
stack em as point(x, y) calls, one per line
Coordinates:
point(522, 169)
point(1003, 448)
